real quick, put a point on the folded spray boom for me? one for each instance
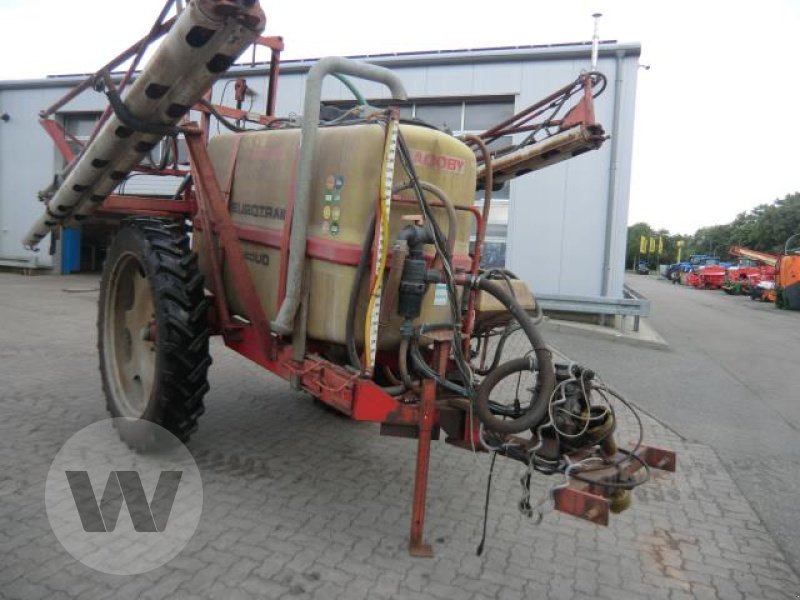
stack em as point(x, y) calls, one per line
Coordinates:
point(205, 40)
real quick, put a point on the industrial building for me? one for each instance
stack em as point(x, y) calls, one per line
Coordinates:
point(562, 229)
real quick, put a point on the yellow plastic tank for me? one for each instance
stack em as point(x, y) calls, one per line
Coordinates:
point(344, 194)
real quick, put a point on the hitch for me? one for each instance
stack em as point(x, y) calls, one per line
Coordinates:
point(602, 491)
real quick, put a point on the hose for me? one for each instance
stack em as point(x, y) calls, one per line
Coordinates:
point(361, 271)
point(402, 364)
point(452, 216)
point(447, 268)
point(546, 377)
point(353, 89)
point(372, 321)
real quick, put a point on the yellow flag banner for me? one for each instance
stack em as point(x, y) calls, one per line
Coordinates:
point(642, 244)
point(652, 244)
point(660, 244)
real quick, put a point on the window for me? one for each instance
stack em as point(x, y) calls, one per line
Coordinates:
point(480, 116)
point(444, 116)
point(80, 127)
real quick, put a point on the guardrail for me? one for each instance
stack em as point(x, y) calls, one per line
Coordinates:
point(633, 304)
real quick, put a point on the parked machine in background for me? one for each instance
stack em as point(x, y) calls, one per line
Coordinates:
point(787, 275)
point(778, 279)
point(336, 253)
point(708, 276)
point(703, 271)
point(684, 272)
point(754, 268)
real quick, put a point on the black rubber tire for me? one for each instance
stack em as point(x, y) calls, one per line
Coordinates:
point(180, 311)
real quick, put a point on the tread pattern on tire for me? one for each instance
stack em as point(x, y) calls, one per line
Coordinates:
point(181, 316)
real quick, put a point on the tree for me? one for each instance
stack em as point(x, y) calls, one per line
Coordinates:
point(766, 227)
point(634, 235)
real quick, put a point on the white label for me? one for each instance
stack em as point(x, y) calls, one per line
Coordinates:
point(440, 295)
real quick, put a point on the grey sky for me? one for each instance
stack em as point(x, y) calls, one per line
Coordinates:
point(716, 127)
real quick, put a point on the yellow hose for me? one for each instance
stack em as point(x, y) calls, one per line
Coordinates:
point(387, 181)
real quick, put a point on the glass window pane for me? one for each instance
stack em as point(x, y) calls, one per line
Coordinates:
point(498, 214)
point(405, 111)
point(501, 143)
point(441, 115)
point(479, 116)
point(493, 255)
point(504, 193)
point(80, 125)
point(497, 230)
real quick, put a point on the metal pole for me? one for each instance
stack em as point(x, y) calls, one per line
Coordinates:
point(611, 197)
point(596, 40)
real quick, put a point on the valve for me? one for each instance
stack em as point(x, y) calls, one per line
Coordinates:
point(413, 283)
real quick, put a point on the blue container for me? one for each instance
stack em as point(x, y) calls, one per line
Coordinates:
point(70, 250)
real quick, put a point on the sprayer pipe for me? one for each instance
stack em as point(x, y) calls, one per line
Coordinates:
point(284, 322)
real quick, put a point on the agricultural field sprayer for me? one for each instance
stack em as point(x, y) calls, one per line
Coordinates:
point(333, 249)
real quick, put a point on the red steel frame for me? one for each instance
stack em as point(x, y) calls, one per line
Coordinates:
point(204, 203)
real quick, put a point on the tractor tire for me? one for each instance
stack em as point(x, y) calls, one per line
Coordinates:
point(152, 333)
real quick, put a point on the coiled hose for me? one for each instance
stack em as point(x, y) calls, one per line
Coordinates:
point(544, 364)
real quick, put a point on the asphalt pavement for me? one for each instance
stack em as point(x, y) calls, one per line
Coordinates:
point(728, 379)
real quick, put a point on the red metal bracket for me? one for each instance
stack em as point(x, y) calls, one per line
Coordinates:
point(416, 546)
point(582, 504)
point(59, 136)
point(211, 202)
point(131, 205)
point(590, 497)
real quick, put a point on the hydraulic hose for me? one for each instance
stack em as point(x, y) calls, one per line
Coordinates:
point(452, 216)
point(544, 363)
point(402, 364)
point(361, 271)
point(353, 89)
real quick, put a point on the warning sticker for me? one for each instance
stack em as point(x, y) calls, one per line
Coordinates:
point(331, 210)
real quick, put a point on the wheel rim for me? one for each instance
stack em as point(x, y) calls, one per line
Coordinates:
point(129, 336)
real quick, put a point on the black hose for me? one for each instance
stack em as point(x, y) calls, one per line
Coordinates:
point(225, 123)
point(449, 207)
point(402, 365)
point(544, 362)
point(427, 371)
point(186, 182)
point(498, 353)
point(361, 271)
